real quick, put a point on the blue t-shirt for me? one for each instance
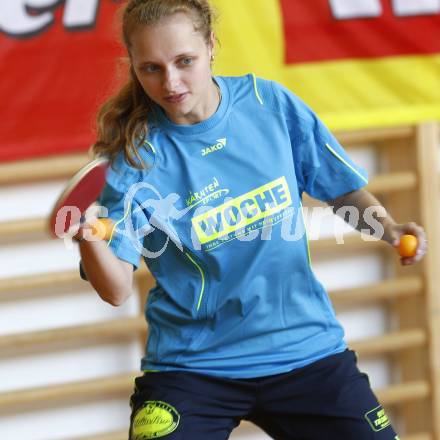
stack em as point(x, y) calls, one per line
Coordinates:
point(217, 217)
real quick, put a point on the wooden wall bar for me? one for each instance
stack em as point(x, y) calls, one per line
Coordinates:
point(409, 184)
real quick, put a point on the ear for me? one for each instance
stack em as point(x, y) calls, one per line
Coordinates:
point(212, 41)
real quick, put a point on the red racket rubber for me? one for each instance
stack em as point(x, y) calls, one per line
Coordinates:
point(80, 192)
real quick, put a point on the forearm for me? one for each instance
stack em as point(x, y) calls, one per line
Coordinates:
point(365, 213)
point(110, 277)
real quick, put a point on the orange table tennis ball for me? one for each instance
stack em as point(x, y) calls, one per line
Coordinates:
point(102, 228)
point(407, 245)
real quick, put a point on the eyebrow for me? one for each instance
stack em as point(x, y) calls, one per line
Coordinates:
point(182, 55)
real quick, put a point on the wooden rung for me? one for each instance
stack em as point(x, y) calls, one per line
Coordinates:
point(56, 167)
point(390, 182)
point(352, 243)
point(363, 137)
point(70, 393)
point(380, 184)
point(14, 229)
point(47, 281)
point(421, 436)
point(403, 393)
point(38, 281)
point(113, 329)
point(388, 289)
point(390, 342)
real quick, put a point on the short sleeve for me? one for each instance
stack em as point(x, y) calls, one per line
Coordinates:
point(323, 168)
point(129, 219)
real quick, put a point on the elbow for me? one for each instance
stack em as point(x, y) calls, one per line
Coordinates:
point(114, 291)
point(115, 301)
point(115, 298)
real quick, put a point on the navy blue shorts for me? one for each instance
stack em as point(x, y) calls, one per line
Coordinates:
point(327, 400)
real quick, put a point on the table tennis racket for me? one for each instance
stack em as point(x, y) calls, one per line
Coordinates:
point(80, 193)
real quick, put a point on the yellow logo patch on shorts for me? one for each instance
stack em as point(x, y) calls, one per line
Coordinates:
point(153, 420)
point(377, 419)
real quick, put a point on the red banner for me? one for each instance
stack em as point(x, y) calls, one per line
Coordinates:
point(322, 30)
point(58, 59)
point(57, 63)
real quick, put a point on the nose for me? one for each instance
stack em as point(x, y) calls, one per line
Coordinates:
point(171, 80)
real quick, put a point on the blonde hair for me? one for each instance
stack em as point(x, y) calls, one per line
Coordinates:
point(122, 121)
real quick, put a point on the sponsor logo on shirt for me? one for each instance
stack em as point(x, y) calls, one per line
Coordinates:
point(210, 192)
point(219, 145)
point(256, 209)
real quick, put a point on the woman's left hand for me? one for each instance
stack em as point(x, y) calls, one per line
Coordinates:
point(397, 230)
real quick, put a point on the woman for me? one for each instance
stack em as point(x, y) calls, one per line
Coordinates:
point(206, 185)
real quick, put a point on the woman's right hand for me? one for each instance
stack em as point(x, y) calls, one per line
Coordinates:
point(94, 229)
point(111, 277)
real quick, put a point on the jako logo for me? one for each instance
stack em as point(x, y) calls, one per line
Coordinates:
point(22, 18)
point(221, 143)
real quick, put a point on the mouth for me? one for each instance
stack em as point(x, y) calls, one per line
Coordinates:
point(175, 99)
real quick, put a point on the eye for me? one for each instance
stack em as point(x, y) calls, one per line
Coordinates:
point(149, 68)
point(187, 61)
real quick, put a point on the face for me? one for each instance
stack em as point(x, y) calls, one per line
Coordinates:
point(172, 62)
